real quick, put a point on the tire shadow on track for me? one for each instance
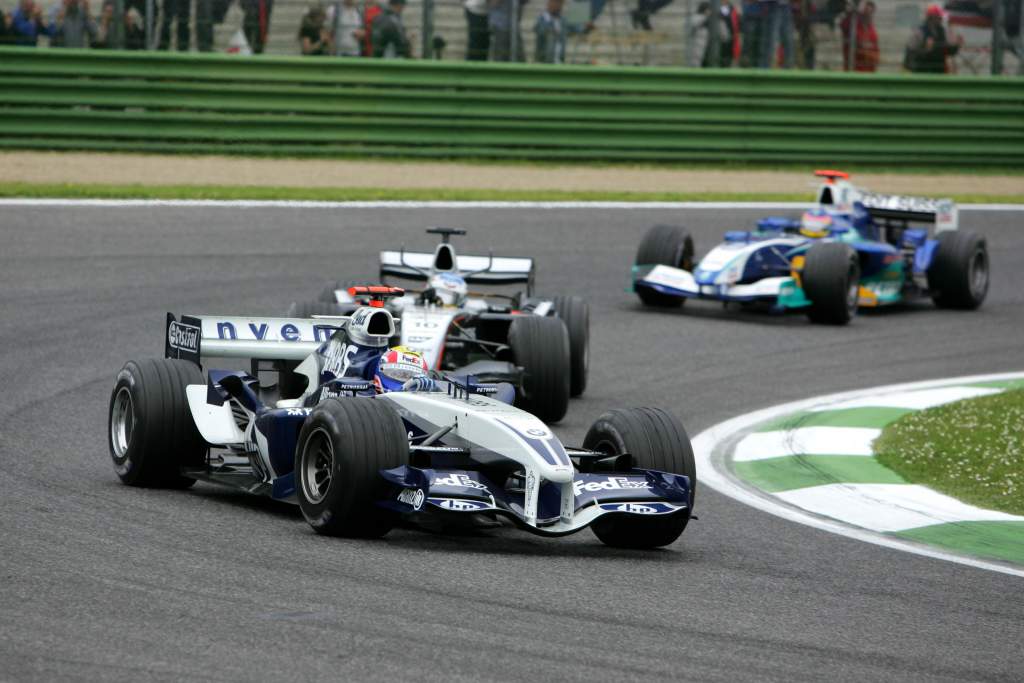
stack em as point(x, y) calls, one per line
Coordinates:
point(709, 311)
point(503, 540)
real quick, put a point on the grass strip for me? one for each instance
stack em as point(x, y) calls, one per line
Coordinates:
point(994, 540)
point(252, 192)
point(800, 471)
point(972, 450)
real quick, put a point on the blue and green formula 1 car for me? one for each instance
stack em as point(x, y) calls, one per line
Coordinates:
point(852, 249)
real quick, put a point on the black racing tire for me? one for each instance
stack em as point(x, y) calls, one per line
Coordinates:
point(831, 280)
point(576, 314)
point(958, 276)
point(150, 429)
point(308, 309)
point(328, 293)
point(541, 347)
point(343, 446)
point(657, 441)
point(668, 245)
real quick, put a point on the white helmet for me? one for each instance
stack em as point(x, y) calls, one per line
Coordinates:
point(449, 288)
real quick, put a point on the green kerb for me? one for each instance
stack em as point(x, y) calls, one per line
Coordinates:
point(993, 540)
point(875, 418)
point(797, 472)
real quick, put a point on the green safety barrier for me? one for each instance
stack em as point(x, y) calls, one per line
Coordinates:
point(190, 103)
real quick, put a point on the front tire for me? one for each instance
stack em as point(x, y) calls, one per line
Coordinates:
point(657, 441)
point(343, 446)
point(576, 314)
point(541, 347)
point(831, 280)
point(151, 432)
point(668, 245)
point(958, 276)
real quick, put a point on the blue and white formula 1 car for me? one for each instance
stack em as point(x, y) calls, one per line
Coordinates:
point(853, 249)
point(522, 339)
point(440, 450)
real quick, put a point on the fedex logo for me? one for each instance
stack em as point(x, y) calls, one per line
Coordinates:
point(608, 484)
point(458, 480)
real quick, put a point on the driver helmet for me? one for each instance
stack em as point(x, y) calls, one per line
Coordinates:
point(815, 223)
point(397, 366)
point(449, 288)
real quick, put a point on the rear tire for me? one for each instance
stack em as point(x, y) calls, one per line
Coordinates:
point(576, 314)
point(668, 245)
point(541, 347)
point(343, 446)
point(958, 276)
point(657, 441)
point(150, 429)
point(831, 280)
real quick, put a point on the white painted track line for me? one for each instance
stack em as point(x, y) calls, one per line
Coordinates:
point(298, 204)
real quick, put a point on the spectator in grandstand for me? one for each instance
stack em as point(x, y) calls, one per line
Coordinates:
point(176, 12)
point(389, 37)
point(371, 10)
point(6, 28)
point(866, 52)
point(641, 16)
point(929, 46)
point(730, 44)
point(204, 25)
point(73, 25)
point(134, 33)
point(728, 38)
point(347, 30)
point(478, 35)
point(27, 24)
point(314, 36)
point(551, 31)
point(750, 27)
point(776, 29)
point(502, 24)
point(256, 22)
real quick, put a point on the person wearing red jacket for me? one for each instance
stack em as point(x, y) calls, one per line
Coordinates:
point(866, 52)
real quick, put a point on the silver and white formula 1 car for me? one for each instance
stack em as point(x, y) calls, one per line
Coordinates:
point(520, 338)
point(442, 450)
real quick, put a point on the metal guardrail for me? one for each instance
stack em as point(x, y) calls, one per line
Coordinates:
point(91, 99)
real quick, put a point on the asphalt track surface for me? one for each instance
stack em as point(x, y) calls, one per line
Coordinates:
point(100, 581)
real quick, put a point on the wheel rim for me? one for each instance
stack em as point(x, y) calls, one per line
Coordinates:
point(978, 275)
point(122, 422)
point(317, 466)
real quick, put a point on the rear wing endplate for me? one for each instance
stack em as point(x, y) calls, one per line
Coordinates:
point(209, 336)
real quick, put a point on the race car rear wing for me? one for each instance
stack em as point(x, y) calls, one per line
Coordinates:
point(195, 337)
point(839, 193)
point(944, 213)
point(485, 270)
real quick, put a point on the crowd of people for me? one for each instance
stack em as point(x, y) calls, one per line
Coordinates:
point(754, 33)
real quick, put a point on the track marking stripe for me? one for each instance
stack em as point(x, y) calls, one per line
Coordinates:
point(813, 440)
